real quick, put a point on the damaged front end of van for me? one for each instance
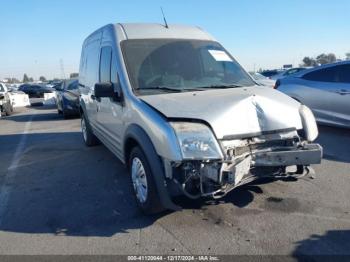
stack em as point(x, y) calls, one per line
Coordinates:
point(218, 156)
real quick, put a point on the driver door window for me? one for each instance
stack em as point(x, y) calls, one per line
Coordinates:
point(105, 64)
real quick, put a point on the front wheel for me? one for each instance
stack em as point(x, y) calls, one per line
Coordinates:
point(143, 183)
point(89, 138)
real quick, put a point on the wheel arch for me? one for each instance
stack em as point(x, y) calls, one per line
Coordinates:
point(135, 135)
point(82, 107)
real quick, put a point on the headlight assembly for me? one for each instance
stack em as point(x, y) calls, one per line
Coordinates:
point(196, 141)
point(309, 123)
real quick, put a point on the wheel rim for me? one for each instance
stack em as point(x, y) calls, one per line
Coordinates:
point(139, 179)
point(83, 128)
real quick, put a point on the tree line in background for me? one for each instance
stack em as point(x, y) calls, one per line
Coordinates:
point(322, 59)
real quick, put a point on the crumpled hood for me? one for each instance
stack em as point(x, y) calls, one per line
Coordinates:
point(232, 112)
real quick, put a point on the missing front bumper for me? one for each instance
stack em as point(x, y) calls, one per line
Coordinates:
point(306, 155)
point(217, 178)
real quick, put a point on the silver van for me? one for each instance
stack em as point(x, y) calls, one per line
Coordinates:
point(175, 107)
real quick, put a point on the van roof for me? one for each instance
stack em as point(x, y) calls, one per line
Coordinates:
point(147, 31)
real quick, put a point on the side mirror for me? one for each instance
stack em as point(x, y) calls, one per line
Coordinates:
point(104, 90)
point(2, 96)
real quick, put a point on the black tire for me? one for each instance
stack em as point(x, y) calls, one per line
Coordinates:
point(59, 111)
point(65, 114)
point(88, 137)
point(152, 203)
point(8, 110)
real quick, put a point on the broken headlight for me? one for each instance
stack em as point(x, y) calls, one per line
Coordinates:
point(309, 123)
point(196, 141)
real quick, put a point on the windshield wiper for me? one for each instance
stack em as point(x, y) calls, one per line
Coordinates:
point(222, 86)
point(171, 88)
point(161, 88)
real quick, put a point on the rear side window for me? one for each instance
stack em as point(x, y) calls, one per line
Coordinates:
point(335, 74)
point(105, 64)
point(344, 73)
point(322, 75)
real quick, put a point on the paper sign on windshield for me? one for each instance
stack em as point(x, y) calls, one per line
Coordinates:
point(220, 55)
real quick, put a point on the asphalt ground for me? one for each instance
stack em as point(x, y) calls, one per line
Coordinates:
point(59, 197)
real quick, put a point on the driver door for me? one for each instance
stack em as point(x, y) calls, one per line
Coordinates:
point(109, 110)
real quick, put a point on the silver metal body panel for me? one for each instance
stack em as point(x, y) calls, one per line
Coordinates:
point(267, 82)
point(232, 112)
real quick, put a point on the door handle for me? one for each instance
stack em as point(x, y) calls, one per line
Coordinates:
point(343, 92)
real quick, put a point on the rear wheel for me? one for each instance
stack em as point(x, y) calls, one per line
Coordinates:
point(89, 138)
point(143, 183)
point(59, 111)
point(64, 112)
point(8, 110)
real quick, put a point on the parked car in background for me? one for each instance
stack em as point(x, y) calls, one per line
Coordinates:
point(54, 84)
point(68, 98)
point(175, 107)
point(57, 86)
point(18, 98)
point(35, 90)
point(325, 89)
point(263, 80)
point(270, 73)
point(13, 87)
point(5, 101)
point(288, 72)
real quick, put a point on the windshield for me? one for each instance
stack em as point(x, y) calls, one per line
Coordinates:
point(168, 65)
point(2, 89)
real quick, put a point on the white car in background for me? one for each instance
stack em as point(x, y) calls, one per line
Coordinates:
point(5, 101)
point(263, 80)
point(17, 98)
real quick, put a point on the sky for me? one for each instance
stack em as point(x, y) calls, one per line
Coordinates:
point(40, 37)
